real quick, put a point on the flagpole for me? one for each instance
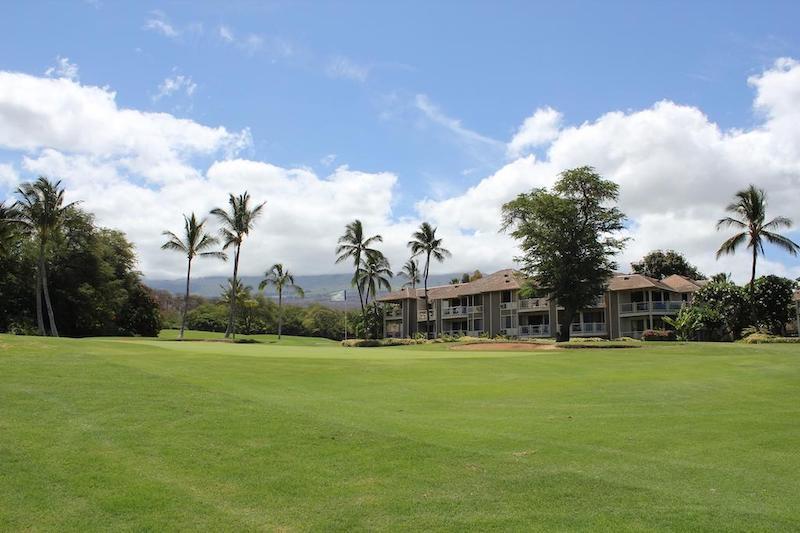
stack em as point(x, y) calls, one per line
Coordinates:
point(345, 314)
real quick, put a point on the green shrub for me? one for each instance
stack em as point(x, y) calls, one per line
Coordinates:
point(766, 338)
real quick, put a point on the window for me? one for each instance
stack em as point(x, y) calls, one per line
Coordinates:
point(507, 321)
point(505, 296)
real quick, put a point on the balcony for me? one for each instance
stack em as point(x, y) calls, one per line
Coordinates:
point(534, 304)
point(422, 317)
point(507, 306)
point(393, 313)
point(461, 311)
point(588, 328)
point(650, 307)
point(509, 332)
point(462, 333)
point(539, 330)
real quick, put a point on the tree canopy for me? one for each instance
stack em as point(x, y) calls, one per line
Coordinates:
point(660, 264)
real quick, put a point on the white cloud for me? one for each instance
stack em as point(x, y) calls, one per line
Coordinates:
point(177, 83)
point(328, 160)
point(8, 176)
point(60, 114)
point(225, 33)
point(538, 129)
point(63, 69)
point(344, 67)
point(676, 169)
point(252, 43)
point(159, 23)
point(436, 115)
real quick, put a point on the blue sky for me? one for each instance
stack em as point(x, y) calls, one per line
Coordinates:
point(430, 92)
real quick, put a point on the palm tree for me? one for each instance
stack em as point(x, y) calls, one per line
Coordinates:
point(424, 241)
point(41, 211)
point(750, 210)
point(8, 218)
point(373, 275)
point(353, 245)
point(278, 277)
point(195, 243)
point(411, 273)
point(236, 225)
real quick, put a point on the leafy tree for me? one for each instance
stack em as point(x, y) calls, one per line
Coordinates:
point(353, 245)
point(237, 223)
point(140, 315)
point(659, 264)
point(773, 302)
point(750, 212)
point(411, 273)
point(424, 242)
point(567, 237)
point(280, 278)
point(194, 243)
point(454, 281)
point(41, 210)
point(320, 321)
point(724, 309)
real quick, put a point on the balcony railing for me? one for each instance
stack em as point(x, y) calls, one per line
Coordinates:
point(421, 317)
point(505, 306)
point(509, 332)
point(539, 330)
point(588, 328)
point(650, 307)
point(462, 332)
point(460, 311)
point(534, 304)
point(393, 313)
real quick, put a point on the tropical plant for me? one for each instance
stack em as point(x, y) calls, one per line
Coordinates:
point(194, 243)
point(353, 245)
point(723, 308)
point(750, 212)
point(41, 210)
point(686, 324)
point(772, 303)
point(280, 278)
point(424, 242)
point(237, 223)
point(8, 219)
point(568, 237)
point(411, 273)
point(374, 274)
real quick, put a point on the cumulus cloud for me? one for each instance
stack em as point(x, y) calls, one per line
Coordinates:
point(63, 69)
point(538, 129)
point(676, 170)
point(8, 176)
point(63, 115)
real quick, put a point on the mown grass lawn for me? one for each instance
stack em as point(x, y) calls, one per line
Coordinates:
point(123, 434)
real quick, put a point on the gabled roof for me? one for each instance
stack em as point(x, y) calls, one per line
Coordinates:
point(507, 279)
point(682, 283)
point(625, 282)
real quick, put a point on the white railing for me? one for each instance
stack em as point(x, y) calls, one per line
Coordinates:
point(421, 315)
point(539, 330)
point(646, 307)
point(460, 311)
point(508, 305)
point(393, 312)
point(534, 304)
point(588, 328)
point(476, 309)
point(509, 332)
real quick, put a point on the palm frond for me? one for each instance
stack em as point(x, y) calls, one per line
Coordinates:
point(784, 243)
point(730, 245)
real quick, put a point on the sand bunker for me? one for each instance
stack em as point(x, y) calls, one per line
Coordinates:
point(504, 346)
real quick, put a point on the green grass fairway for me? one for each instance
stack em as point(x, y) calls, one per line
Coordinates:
point(129, 434)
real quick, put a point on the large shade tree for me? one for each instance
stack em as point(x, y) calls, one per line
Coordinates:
point(749, 215)
point(280, 278)
point(354, 246)
point(425, 242)
point(660, 264)
point(42, 211)
point(568, 237)
point(195, 242)
point(237, 222)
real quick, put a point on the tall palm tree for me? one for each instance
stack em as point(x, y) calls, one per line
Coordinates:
point(411, 273)
point(236, 225)
point(373, 275)
point(353, 245)
point(42, 211)
point(195, 243)
point(750, 210)
point(280, 278)
point(424, 242)
point(8, 219)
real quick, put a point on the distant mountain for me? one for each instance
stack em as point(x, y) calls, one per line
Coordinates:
point(317, 288)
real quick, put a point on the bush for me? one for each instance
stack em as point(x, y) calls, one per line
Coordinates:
point(766, 338)
point(658, 335)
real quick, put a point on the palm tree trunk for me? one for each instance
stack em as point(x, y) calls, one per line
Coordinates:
point(186, 299)
point(280, 312)
point(427, 314)
point(38, 294)
point(231, 331)
point(752, 288)
point(46, 290)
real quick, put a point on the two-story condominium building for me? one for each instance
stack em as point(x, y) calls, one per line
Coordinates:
point(491, 305)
